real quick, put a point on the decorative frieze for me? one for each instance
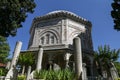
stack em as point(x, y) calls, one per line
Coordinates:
point(49, 23)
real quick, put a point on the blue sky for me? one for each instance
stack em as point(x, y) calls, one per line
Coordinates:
point(96, 11)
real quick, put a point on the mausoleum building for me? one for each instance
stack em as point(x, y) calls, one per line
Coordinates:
point(55, 32)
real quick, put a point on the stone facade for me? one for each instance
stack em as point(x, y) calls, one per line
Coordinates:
point(55, 32)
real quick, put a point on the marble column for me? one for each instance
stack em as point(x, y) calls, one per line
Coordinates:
point(28, 73)
point(39, 59)
point(84, 76)
point(78, 57)
point(12, 73)
point(16, 54)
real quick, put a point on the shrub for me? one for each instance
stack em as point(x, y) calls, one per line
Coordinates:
point(41, 74)
point(55, 75)
point(65, 75)
point(21, 77)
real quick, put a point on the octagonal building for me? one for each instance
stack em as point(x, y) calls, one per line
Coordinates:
point(55, 32)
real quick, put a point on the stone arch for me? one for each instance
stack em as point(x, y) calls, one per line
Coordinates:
point(71, 62)
point(52, 33)
point(73, 35)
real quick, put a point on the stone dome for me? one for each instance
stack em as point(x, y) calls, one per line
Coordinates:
point(65, 14)
point(61, 11)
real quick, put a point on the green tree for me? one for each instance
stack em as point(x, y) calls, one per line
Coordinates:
point(12, 14)
point(104, 57)
point(4, 49)
point(22, 61)
point(26, 59)
point(115, 13)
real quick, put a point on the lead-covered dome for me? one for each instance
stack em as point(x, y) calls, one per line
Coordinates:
point(64, 14)
point(61, 11)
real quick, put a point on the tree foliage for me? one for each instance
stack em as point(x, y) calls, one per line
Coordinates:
point(26, 59)
point(4, 49)
point(115, 13)
point(12, 14)
point(104, 58)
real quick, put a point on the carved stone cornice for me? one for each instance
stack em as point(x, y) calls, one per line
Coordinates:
point(64, 14)
point(60, 14)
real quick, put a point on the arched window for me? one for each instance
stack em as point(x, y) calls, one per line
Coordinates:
point(52, 40)
point(47, 39)
point(42, 40)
